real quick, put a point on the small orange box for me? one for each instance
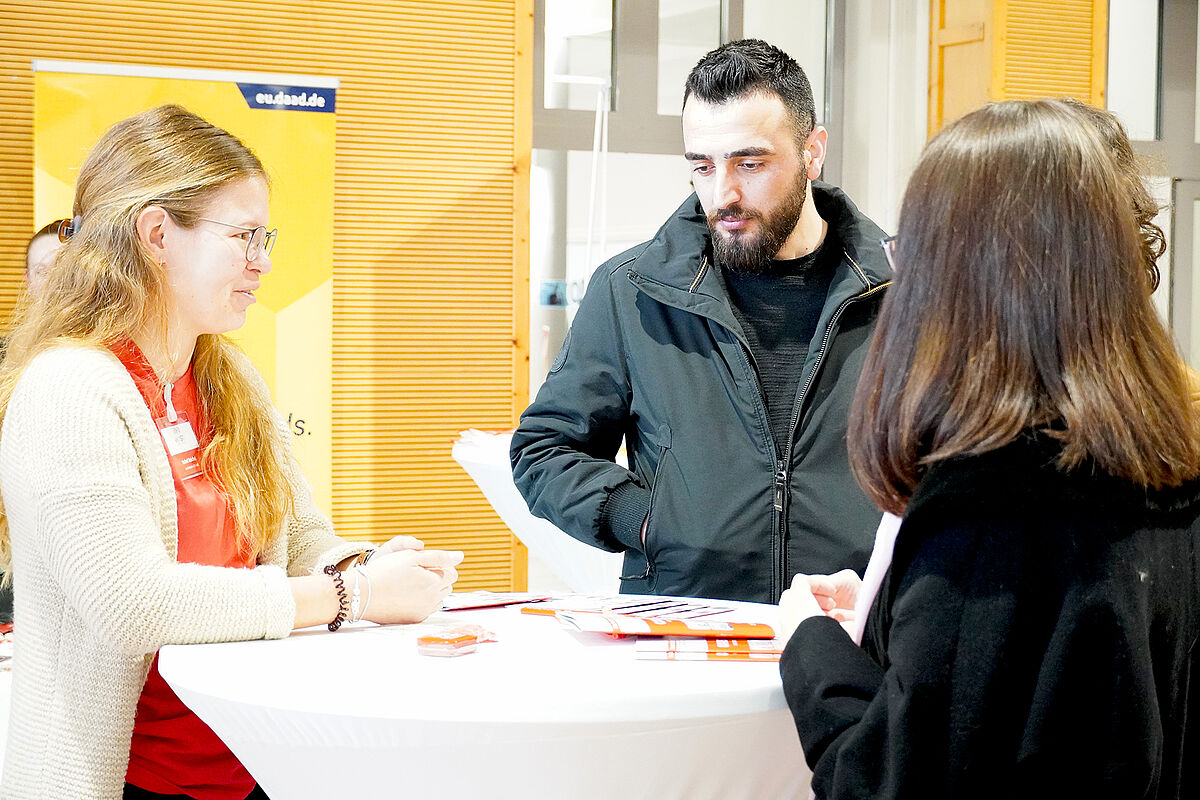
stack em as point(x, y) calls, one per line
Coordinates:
point(447, 644)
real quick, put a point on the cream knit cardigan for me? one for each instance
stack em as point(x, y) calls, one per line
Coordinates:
point(91, 511)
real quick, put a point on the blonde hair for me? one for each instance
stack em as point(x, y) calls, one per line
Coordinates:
point(105, 286)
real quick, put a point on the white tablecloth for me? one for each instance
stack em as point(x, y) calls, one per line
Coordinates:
point(541, 713)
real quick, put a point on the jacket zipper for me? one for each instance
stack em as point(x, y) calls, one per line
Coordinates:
point(662, 450)
point(783, 466)
point(781, 474)
point(699, 274)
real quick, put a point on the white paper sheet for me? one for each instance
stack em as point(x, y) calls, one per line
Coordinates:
point(587, 569)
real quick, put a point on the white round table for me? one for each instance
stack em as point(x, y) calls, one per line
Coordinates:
point(540, 713)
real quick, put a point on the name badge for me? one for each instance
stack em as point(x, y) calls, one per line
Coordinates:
point(183, 450)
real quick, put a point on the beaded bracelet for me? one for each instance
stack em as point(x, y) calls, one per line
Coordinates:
point(343, 602)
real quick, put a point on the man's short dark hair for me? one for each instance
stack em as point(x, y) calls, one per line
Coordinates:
point(746, 66)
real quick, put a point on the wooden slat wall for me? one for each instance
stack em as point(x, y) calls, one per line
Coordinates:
point(960, 49)
point(430, 222)
point(982, 50)
point(1051, 50)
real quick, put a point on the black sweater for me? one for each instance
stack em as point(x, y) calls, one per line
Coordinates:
point(1034, 637)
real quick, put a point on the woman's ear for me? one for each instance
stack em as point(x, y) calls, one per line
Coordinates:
point(152, 225)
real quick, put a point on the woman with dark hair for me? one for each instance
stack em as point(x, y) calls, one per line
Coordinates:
point(1024, 410)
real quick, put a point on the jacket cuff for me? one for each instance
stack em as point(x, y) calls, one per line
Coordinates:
point(623, 513)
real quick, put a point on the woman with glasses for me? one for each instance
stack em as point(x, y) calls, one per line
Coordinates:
point(1024, 410)
point(149, 493)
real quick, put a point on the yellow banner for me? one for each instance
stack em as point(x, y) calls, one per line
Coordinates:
point(289, 122)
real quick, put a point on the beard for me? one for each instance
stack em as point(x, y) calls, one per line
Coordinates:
point(751, 253)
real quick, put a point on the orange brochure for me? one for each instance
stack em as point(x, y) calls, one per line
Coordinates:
point(675, 649)
point(626, 625)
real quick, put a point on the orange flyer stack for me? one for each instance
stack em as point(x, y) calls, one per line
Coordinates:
point(676, 649)
point(626, 625)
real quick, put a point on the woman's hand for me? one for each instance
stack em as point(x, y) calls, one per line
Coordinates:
point(815, 596)
point(408, 585)
point(397, 544)
point(836, 594)
point(796, 605)
point(394, 545)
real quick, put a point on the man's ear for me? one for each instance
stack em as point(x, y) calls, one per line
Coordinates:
point(814, 152)
point(152, 225)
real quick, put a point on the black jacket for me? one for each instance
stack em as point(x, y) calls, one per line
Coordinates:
point(655, 356)
point(1034, 638)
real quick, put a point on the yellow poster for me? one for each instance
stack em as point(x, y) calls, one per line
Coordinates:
point(289, 122)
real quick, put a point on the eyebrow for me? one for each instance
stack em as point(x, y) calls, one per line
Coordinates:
point(745, 152)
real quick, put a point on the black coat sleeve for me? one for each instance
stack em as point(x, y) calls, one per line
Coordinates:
point(867, 730)
point(1011, 664)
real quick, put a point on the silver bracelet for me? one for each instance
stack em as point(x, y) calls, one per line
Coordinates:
point(354, 599)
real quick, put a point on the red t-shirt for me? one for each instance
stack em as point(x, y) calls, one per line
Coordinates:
point(173, 751)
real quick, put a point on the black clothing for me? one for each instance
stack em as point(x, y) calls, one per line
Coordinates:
point(1034, 637)
point(657, 357)
point(779, 311)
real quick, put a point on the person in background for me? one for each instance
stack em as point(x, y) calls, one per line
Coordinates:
point(149, 493)
point(725, 353)
point(1024, 409)
point(40, 253)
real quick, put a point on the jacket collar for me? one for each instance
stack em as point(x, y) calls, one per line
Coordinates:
point(677, 268)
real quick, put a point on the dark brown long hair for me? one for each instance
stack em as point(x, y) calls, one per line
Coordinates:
point(1145, 207)
point(1020, 302)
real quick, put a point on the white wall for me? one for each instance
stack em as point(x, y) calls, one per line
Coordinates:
point(1132, 92)
point(886, 101)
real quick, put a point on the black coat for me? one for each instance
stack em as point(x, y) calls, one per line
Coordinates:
point(656, 356)
point(1033, 638)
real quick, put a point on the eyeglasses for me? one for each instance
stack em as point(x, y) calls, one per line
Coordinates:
point(889, 246)
point(67, 227)
point(258, 243)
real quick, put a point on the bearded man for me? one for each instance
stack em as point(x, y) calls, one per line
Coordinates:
point(725, 352)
